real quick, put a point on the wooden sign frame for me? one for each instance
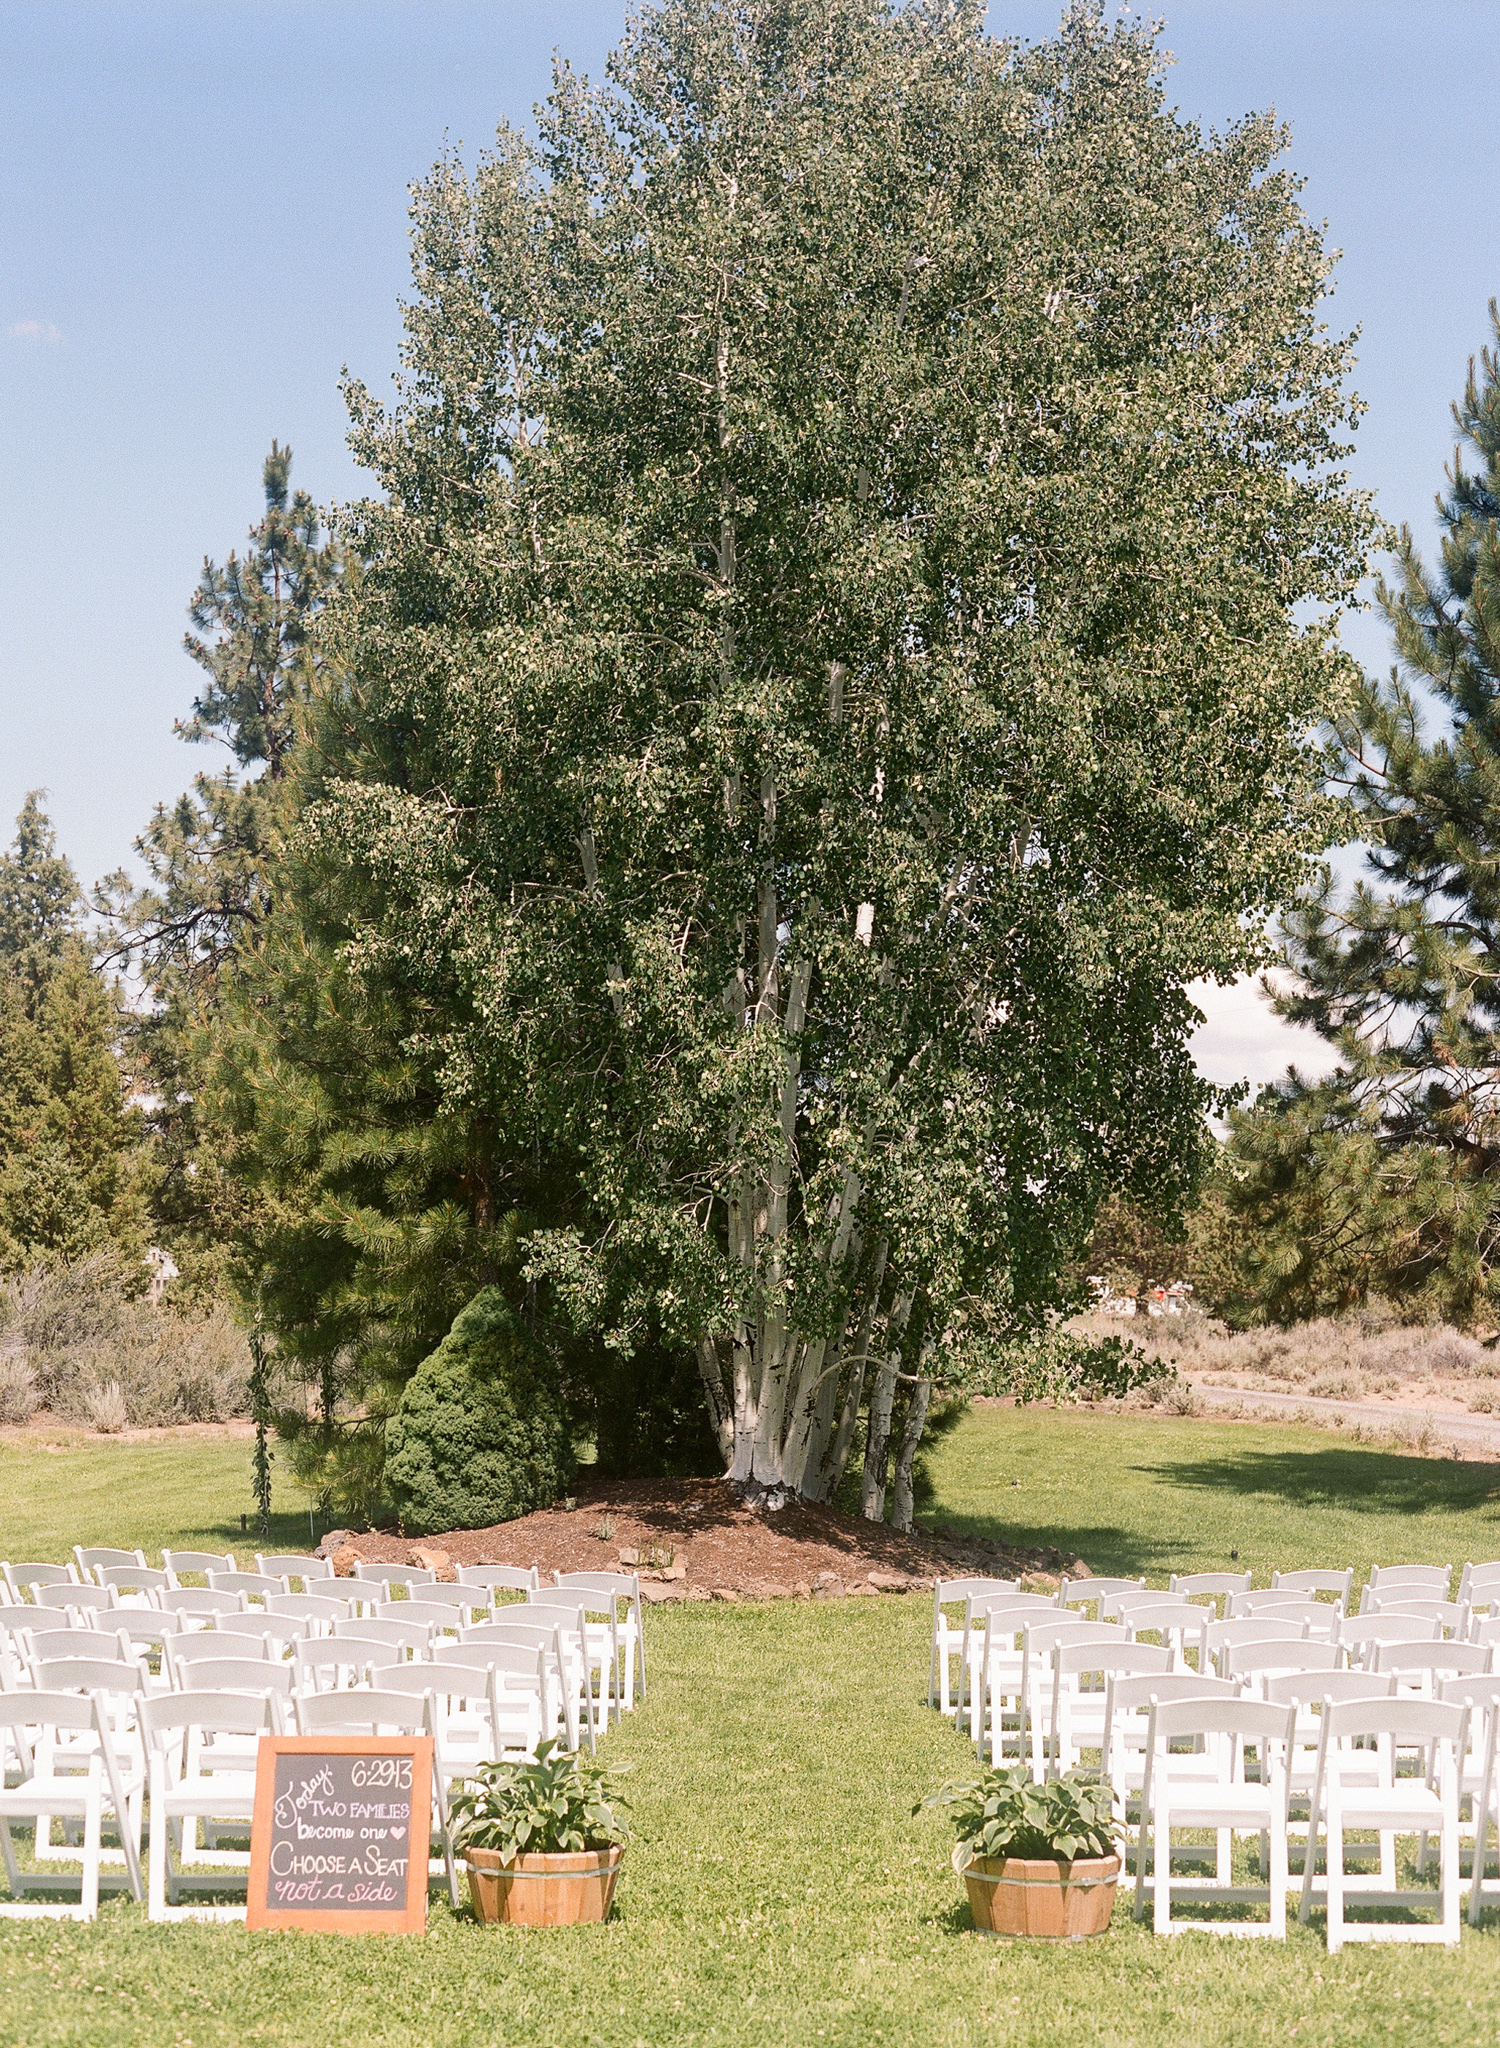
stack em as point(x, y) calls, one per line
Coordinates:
point(412, 1916)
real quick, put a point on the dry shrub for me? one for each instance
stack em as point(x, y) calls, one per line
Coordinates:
point(19, 1399)
point(1336, 1357)
point(106, 1408)
point(85, 1333)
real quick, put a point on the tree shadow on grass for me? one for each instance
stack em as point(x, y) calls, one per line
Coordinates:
point(1348, 1477)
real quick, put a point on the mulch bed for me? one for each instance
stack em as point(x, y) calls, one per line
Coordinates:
point(694, 1539)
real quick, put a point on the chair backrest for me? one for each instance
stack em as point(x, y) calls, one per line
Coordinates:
point(517, 1631)
point(131, 1578)
point(197, 1563)
point(228, 1712)
point(72, 1711)
point(1042, 1637)
point(1089, 1592)
point(89, 1674)
point(1481, 1691)
point(333, 1713)
point(1463, 1659)
point(46, 1643)
point(1340, 1583)
point(254, 1585)
point(1072, 1657)
point(1282, 1600)
point(978, 1609)
point(1120, 1606)
point(86, 1599)
point(560, 1615)
point(1279, 1653)
point(200, 1600)
point(190, 1646)
point(1167, 1617)
point(396, 1574)
point(336, 1654)
point(242, 1674)
point(1130, 1695)
point(1250, 1720)
point(1400, 1716)
point(1195, 1583)
point(20, 1577)
point(1222, 1635)
point(398, 1635)
point(950, 1591)
point(145, 1624)
point(510, 1578)
point(1358, 1631)
point(516, 1659)
point(1429, 1578)
point(91, 1558)
point(611, 1585)
point(1402, 1600)
point(328, 1607)
point(291, 1565)
point(1311, 1688)
point(435, 1614)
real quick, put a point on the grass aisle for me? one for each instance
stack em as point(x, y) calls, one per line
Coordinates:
point(779, 1892)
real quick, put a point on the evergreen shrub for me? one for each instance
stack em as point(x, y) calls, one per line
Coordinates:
point(481, 1434)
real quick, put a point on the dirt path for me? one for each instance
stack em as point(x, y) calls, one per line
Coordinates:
point(1469, 1433)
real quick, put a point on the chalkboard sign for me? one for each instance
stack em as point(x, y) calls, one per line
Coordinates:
point(340, 1834)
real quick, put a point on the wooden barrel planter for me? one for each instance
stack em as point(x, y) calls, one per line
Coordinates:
point(543, 1891)
point(1041, 1900)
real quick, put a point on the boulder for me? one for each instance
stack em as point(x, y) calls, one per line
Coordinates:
point(334, 1541)
point(436, 1561)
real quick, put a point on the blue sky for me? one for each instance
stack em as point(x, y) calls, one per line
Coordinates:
point(203, 215)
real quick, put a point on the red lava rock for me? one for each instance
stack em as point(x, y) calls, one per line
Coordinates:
point(629, 1559)
point(888, 1582)
point(802, 1590)
point(432, 1560)
point(726, 1593)
point(658, 1596)
point(345, 1560)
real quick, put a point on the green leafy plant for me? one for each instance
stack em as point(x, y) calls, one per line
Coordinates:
point(1006, 1813)
point(557, 1806)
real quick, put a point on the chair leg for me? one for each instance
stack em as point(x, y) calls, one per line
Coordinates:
point(1448, 1876)
point(1276, 1850)
point(1161, 1869)
point(156, 1901)
point(92, 1831)
point(1335, 1891)
point(1481, 1854)
point(13, 1875)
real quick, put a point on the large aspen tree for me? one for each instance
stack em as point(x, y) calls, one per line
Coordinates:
point(852, 584)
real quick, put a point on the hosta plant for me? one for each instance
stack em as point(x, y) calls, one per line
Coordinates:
point(1006, 1813)
point(557, 1806)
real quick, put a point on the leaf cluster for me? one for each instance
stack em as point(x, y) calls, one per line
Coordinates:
point(560, 1804)
point(1006, 1813)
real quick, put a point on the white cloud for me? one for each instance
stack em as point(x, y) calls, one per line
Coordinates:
point(34, 330)
point(1242, 1038)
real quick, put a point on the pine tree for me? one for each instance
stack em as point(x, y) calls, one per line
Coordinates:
point(1385, 1176)
point(74, 1178)
point(833, 661)
point(209, 855)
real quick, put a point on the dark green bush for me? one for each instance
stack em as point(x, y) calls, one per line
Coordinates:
point(481, 1434)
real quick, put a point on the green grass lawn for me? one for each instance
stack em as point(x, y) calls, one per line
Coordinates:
point(779, 1890)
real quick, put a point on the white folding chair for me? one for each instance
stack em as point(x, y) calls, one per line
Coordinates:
point(1307, 1692)
point(1090, 1592)
point(442, 1617)
point(989, 1669)
point(1477, 1776)
point(1420, 1667)
point(596, 1644)
point(200, 1606)
point(1453, 1617)
point(334, 1663)
point(1433, 1579)
point(133, 1585)
point(1180, 1793)
point(567, 1695)
point(1219, 1637)
point(604, 1593)
point(196, 1564)
point(90, 1560)
point(1254, 1664)
point(500, 1578)
point(256, 1586)
point(1321, 1618)
point(1127, 1726)
point(62, 1777)
point(192, 1646)
point(414, 1638)
point(290, 1565)
point(373, 1572)
point(949, 1641)
point(1078, 1713)
point(388, 1713)
point(1361, 1634)
point(76, 1599)
point(1344, 1797)
point(313, 1610)
point(202, 1747)
point(1039, 1641)
point(1339, 1583)
point(1216, 1587)
point(1176, 1621)
point(516, 1681)
point(23, 1579)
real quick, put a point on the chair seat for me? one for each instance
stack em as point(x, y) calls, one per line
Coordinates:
point(1219, 1805)
point(227, 1796)
point(1403, 1807)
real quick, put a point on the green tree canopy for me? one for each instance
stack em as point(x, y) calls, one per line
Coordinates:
point(1386, 1175)
point(834, 660)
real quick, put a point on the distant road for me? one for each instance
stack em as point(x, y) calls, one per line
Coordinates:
point(1471, 1432)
